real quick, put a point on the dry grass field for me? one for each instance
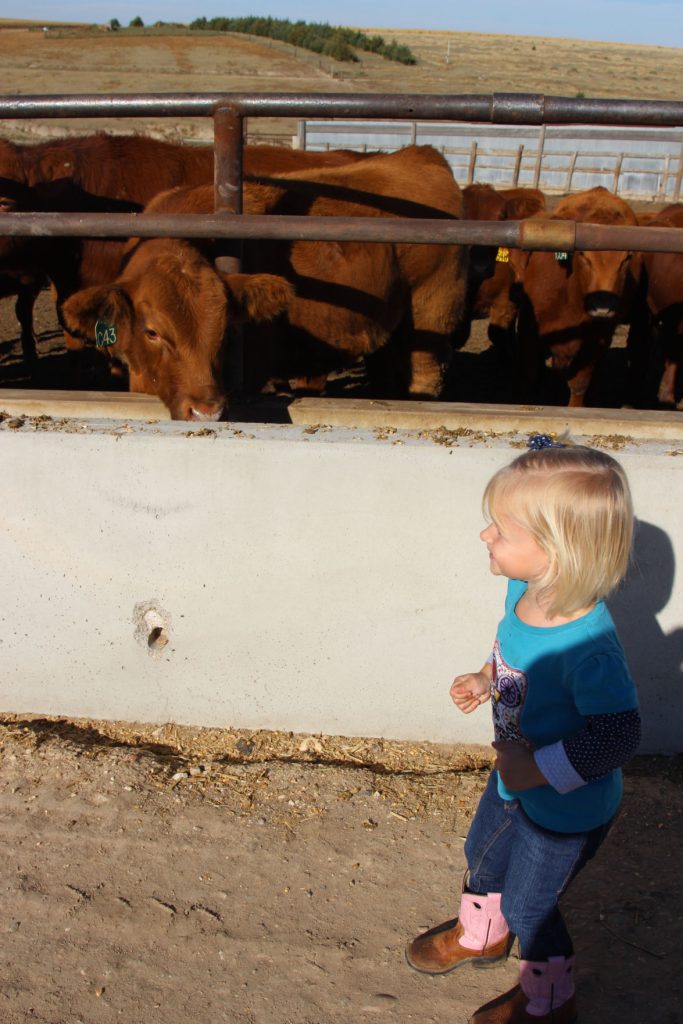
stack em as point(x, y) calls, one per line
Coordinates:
point(91, 60)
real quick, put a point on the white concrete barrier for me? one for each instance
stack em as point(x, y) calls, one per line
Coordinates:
point(299, 577)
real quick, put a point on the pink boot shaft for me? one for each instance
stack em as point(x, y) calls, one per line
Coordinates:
point(482, 921)
point(478, 936)
point(545, 995)
point(547, 985)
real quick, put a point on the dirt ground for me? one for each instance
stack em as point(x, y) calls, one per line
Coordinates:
point(157, 877)
point(259, 879)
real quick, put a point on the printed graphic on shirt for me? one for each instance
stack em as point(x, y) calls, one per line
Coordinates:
point(508, 690)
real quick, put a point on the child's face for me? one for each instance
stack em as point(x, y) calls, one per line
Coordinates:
point(513, 551)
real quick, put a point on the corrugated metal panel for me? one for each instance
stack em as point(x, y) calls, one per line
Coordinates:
point(636, 162)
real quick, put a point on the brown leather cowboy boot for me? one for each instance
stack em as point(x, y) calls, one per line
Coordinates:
point(479, 935)
point(545, 995)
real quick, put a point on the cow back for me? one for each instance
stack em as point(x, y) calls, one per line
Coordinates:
point(595, 206)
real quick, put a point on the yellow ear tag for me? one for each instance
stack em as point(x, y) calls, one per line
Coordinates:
point(105, 334)
point(503, 255)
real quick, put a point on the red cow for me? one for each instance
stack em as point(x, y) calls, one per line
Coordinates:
point(571, 303)
point(350, 299)
point(106, 173)
point(491, 278)
point(165, 317)
point(658, 332)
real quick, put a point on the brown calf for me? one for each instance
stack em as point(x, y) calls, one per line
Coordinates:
point(657, 334)
point(571, 302)
point(342, 300)
point(106, 173)
point(490, 283)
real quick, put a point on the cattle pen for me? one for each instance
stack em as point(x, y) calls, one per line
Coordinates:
point(303, 575)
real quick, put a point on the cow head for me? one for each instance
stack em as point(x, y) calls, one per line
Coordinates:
point(598, 278)
point(482, 202)
point(166, 318)
point(601, 279)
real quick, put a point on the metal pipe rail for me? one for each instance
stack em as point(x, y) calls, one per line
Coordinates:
point(497, 108)
point(545, 235)
point(228, 111)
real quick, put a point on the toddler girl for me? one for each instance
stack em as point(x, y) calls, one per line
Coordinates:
point(565, 718)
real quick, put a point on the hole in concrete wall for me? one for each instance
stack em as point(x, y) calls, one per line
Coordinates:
point(157, 638)
point(152, 626)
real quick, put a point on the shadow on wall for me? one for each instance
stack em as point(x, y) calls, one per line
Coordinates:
point(655, 658)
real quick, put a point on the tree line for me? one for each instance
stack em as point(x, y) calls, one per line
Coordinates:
point(331, 41)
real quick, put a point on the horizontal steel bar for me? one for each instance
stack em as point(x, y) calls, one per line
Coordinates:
point(497, 108)
point(546, 235)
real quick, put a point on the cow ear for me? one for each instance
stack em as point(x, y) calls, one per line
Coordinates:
point(57, 162)
point(257, 296)
point(519, 261)
point(566, 261)
point(101, 316)
point(636, 266)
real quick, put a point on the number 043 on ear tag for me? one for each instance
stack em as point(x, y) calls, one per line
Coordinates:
point(105, 334)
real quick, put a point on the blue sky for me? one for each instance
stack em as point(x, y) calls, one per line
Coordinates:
point(659, 22)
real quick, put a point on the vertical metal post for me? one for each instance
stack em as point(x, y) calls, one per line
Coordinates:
point(473, 160)
point(539, 156)
point(518, 165)
point(570, 171)
point(617, 174)
point(227, 132)
point(227, 178)
point(676, 197)
point(663, 181)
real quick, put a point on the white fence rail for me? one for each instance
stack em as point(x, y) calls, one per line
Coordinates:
point(644, 163)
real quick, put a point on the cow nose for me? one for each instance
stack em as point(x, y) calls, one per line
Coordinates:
point(601, 304)
point(205, 410)
point(207, 407)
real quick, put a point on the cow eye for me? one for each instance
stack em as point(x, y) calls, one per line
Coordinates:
point(7, 205)
point(153, 336)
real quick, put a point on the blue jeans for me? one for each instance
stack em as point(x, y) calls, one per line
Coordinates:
point(530, 866)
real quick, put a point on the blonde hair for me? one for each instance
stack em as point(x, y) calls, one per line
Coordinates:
point(576, 503)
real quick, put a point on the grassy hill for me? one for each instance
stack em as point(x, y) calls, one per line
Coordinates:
point(176, 60)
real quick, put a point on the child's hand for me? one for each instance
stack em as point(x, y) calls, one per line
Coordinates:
point(470, 690)
point(516, 765)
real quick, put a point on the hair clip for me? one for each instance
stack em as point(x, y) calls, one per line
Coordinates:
point(537, 442)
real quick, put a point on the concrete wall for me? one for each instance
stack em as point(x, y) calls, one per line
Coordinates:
point(304, 577)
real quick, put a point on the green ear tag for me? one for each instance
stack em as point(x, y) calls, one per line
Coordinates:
point(562, 256)
point(105, 334)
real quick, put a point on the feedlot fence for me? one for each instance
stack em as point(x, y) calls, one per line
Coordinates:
point(212, 575)
point(636, 163)
point(230, 111)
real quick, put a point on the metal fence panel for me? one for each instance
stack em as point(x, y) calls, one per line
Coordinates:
point(636, 162)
